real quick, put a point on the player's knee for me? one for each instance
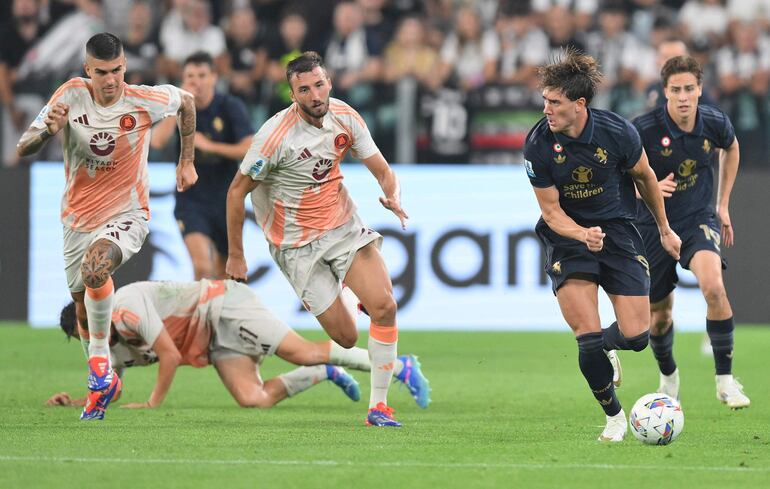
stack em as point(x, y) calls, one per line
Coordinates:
point(383, 311)
point(714, 294)
point(639, 342)
point(255, 401)
point(98, 263)
point(94, 276)
point(346, 339)
point(661, 321)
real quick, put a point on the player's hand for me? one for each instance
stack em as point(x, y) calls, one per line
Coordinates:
point(667, 185)
point(671, 243)
point(236, 268)
point(56, 118)
point(186, 176)
point(594, 239)
point(728, 235)
point(59, 399)
point(137, 405)
point(202, 142)
point(394, 206)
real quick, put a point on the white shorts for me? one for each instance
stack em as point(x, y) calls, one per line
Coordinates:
point(316, 270)
point(128, 231)
point(245, 327)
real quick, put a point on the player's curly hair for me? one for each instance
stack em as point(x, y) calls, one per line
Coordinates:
point(573, 73)
point(304, 63)
point(680, 64)
point(68, 320)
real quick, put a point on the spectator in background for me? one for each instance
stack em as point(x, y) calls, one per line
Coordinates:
point(580, 11)
point(749, 10)
point(378, 27)
point(284, 48)
point(186, 30)
point(407, 55)
point(524, 46)
point(704, 20)
point(246, 63)
point(469, 55)
point(559, 26)
point(645, 14)
point(141, 45)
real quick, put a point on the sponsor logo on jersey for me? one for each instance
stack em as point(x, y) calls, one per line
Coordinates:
point(102, 143)
point(256, 168)
point(127, 122)
point(686, 167)
point(601, 155)
point(218, 124)
point(582, 174)
point(83, 119)
point(304, 155)
point(528, 166)
point(341, 141)
point(41, 116)
point(666, 142)
point(322, 168)
point(706, 146)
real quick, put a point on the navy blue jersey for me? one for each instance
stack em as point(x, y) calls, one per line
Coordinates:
point(590, 172)
point(225, 120)
point(689, 156)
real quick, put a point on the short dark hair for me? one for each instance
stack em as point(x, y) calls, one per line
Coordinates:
point(104, 46)
point(304, 63)
point(68, 320)
point(574, 73)
point(199, 58)
point(680, 64)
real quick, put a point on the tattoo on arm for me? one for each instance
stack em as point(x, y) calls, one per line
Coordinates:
point(32, 141)
point(186, 119)
point(101, 259)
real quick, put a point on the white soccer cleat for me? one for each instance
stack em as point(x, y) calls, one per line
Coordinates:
point(669, 384)
point(615, 429)
point(730, 392)
point(617, 372)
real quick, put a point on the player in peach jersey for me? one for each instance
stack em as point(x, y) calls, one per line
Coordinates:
point(292, 172)
point(219, 322)
point(105, 125)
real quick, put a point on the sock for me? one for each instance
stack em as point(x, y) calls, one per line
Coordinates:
point(355, 358)
point(85, 338)
point(597, 371)
point(302, 378)
point(99, 310)
point(614, 340)
point(382, 355)
point(721, 335)
point(663, 350)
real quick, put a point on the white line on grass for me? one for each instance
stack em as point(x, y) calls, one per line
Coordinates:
point(335, 463)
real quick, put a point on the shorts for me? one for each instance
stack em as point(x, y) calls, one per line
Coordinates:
point(128, 231)
point(620, 268)
point(245, 327)
point(210, 221)
point(699, 232)
point(316, 270)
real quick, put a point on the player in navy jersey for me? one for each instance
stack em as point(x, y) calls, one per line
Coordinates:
point(222, 138)
point(583, 164)
point(683, 140)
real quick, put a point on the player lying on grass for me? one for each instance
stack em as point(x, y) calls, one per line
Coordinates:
point(223, 322)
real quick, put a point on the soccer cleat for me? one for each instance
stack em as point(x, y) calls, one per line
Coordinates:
point(381, 415)
point(730, 392)
point(669, 384)
point(344, 381)
point(97, 401)
point(617, 372)
point(100, 373)
point(615, 429)
point(414, 380)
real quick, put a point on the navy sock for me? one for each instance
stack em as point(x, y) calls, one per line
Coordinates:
point(597, 370)
point(721, 335)
point(663, 349)
point(614, 339)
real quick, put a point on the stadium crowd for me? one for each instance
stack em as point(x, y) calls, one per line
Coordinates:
point(457, 75)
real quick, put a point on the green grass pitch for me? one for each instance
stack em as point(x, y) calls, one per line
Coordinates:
point(509, 410)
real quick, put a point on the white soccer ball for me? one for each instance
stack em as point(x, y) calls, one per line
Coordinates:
point(656, 419)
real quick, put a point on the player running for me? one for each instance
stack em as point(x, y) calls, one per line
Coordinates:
point(223, 323)
point(583, 164)
point(292, 171)
point(106, 125)
point(681, 139)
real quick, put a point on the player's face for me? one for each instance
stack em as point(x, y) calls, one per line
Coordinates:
point(560, 111)
point(199, 80)
point(310, 91)
point(106, 77)
point(682, 92)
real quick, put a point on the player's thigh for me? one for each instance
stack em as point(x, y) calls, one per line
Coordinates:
point(240, 376)
point(707, 267)
point(200, 248)
point(338, 323)
point(632, 313)
point(114, 243)
point(299, 351)
point(579, 303)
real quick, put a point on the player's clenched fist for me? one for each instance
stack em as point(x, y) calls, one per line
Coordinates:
point(594, 239)
point(56, 118)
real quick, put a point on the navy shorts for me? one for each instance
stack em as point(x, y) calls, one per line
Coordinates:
point(620, 268)
point(208, 220)
point(698, 232)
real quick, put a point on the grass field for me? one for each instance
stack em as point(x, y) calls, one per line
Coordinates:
point(509, 410)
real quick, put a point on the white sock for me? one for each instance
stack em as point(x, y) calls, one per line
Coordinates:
point(302, 378)
point(99, 310)
point(355, 358)
point(382, 356)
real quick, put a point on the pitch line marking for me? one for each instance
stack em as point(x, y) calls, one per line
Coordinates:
point(334, 463)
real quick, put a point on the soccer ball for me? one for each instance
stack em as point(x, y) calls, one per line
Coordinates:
point(656, 419)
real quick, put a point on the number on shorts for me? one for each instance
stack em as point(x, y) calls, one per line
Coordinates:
point(711, 235)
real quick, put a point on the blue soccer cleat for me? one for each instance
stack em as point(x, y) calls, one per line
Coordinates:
point(411, 376)
point(381, 415)
point(104, 385)
point(344, 381)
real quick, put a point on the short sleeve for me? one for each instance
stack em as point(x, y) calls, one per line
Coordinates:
point(63, 94)
point(263, 154)
point(161, 101)
point(726, 134)
point(363, 144)
point(537, 171)
point(239, 119)
point(134, 317)
point(632, 147)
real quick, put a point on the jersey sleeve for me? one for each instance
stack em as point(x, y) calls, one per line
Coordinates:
point(263, 155)
point(363, 144)
point(537, 171)
point(632, 148)
point(727, 133)
point(63, 94)
point(239, 119)
point(161, 101)
point(133, 317)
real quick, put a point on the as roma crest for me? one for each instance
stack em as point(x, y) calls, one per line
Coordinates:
point(127, 122)
point(341, 141)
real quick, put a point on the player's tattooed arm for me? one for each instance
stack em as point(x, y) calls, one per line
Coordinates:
point(186, 175)
point(34, 138)
point(101, 259)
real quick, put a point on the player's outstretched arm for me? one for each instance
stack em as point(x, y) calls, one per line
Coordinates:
point(64, 399)
point(186, 175)
point(34, 138)
point(562, 224)
point(388, 181)
point(241, 186)
point(729, 159)
point(648, 188)
point(169, 359)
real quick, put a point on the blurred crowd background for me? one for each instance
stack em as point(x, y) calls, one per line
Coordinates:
point(438, 81)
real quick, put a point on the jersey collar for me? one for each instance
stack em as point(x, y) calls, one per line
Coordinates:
point(584, 138)
point(674, 130)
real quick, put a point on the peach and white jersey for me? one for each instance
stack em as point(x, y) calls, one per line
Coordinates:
point(187, 311)
point(301, 196)
point(105, 150)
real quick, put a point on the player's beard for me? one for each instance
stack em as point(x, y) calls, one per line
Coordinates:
point(318, 112)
